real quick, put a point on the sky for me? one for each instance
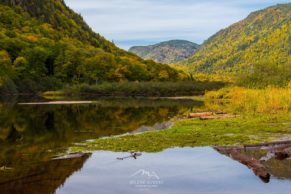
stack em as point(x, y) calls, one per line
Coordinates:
point(144, 22)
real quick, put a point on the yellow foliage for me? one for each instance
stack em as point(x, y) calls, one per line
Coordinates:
point(32, 38)
point(163, 75)
point(268, 100)
point(201, 77)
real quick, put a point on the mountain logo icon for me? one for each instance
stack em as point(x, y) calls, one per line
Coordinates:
point(146, 174)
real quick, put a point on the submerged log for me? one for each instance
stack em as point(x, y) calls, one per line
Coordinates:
point(71, 156)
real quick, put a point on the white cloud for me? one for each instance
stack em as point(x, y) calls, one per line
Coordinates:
point(135, 22)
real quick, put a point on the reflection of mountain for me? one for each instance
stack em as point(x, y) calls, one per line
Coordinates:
point(280, 169)
point(40, 178)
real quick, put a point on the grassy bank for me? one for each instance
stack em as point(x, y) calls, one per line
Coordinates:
point(262, 116)
point(136, 89)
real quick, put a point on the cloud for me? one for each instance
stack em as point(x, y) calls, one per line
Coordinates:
point(140, 22)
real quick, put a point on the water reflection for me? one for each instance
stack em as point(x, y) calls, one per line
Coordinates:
point(181, 170)
point(64, 124)
point(30, 135)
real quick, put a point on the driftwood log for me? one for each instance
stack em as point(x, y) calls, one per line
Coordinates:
point(199, 115)
point(210, 115)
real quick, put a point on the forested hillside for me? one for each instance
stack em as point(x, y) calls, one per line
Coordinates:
point(44, 45)
point(256, 50)
point(166, 52)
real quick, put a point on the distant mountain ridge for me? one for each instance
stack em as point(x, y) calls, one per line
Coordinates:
point(167, 52)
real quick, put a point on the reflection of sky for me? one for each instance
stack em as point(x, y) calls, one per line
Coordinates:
point(142, 22)
point(184, 170)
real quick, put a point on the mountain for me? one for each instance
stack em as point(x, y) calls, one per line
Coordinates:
point(258, 46)
point(44, 45)
point(166, 52)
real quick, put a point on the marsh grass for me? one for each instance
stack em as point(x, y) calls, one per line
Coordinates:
point(269, 100)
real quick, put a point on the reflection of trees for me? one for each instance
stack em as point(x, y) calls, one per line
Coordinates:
point(78, 122)
point(40, 131)
point(36, 178)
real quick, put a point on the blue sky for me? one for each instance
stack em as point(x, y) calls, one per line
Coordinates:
point(143, 22)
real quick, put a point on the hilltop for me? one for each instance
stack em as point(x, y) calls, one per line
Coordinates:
point(166, 52)
point(256, 49)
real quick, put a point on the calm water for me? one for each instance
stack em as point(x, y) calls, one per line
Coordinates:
point(31, 135)
point(186, 170)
